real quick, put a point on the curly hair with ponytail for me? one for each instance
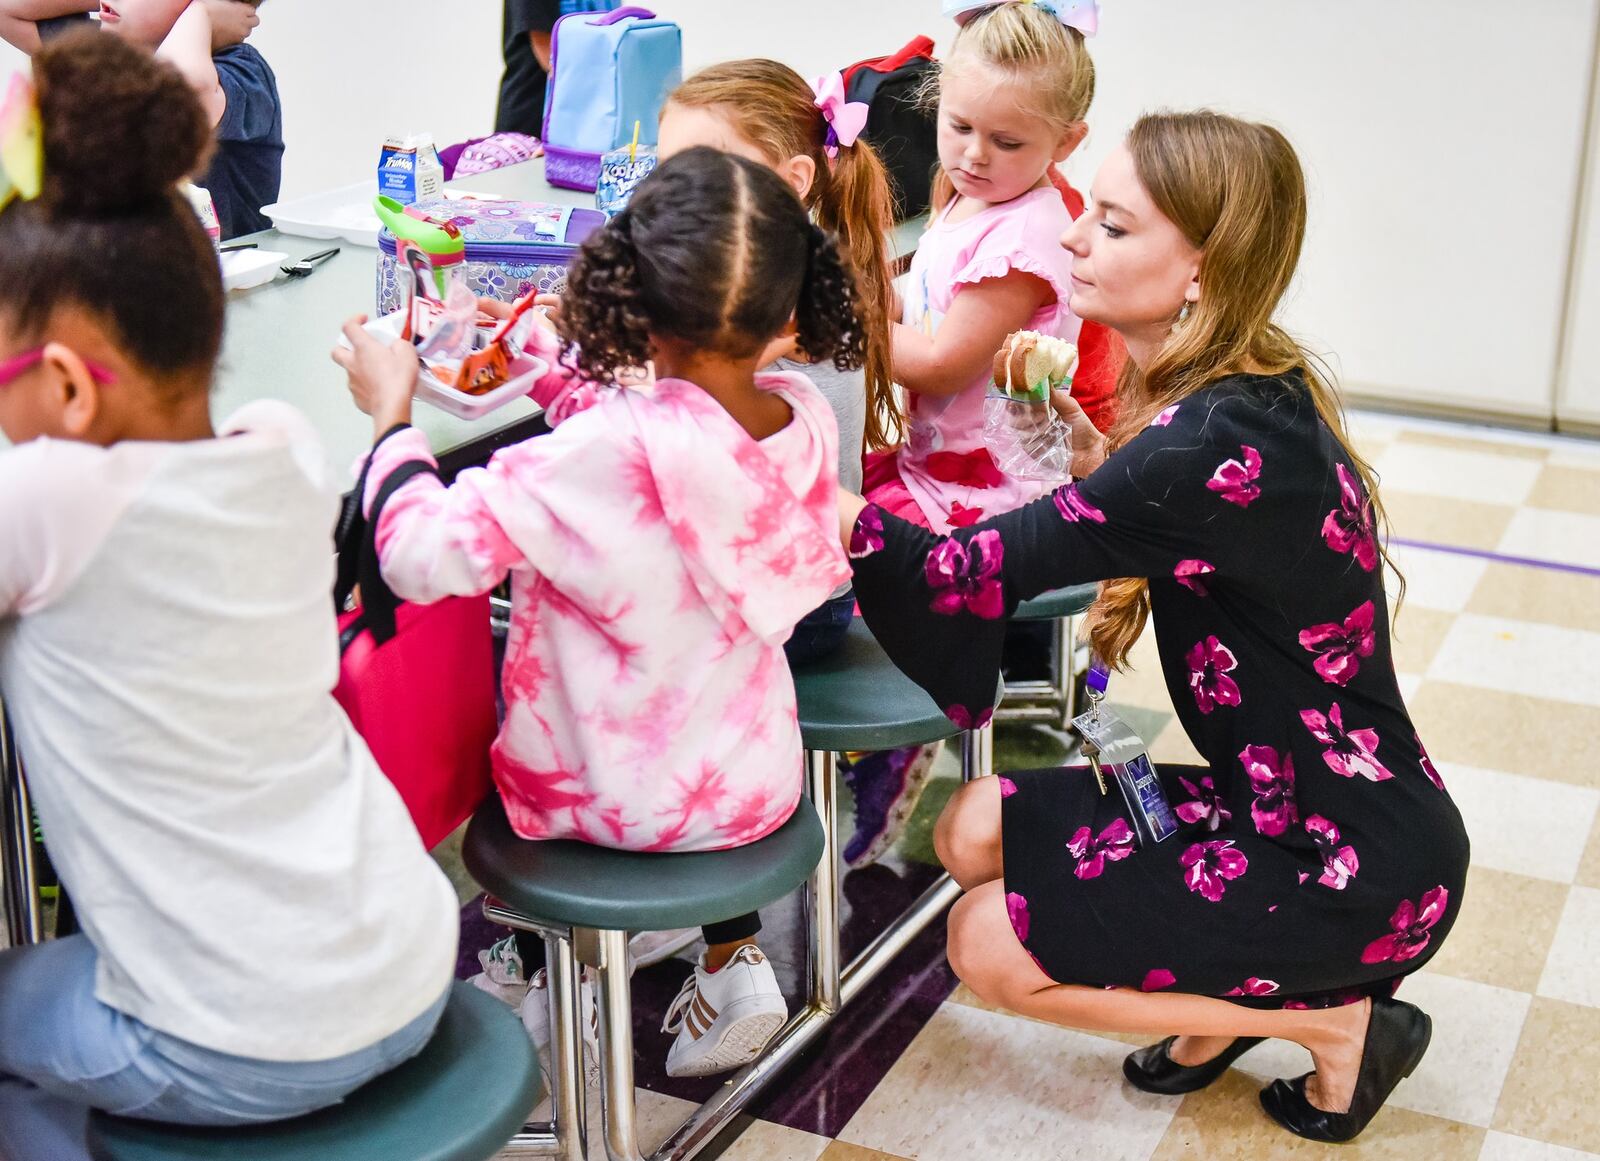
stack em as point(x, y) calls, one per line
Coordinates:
point(773, 108)
point(714, 251)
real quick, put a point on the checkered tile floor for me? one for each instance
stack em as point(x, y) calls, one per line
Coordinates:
point(1499, 651)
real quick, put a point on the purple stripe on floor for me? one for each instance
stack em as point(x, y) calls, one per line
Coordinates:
point(1499, 557)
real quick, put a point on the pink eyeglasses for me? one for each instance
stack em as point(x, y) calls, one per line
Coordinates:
point(17, 366)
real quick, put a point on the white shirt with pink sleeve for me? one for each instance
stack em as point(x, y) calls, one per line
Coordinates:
point(944, 462)
point(659, 559)
point(251, 881)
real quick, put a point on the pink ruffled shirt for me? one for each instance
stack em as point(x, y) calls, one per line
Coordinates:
point(944, 462)
point(659, 559)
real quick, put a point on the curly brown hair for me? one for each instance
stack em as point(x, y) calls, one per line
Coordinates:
point(110, 233)
point(715, 251)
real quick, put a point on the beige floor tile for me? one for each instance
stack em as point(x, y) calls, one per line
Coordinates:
point(1488, 476)
point(1505, 1147)
point(1225, 1123)
point(1504, 730)
point(977, 1084)
point(965, 995)
point(1418, 634)
point(1435, 580)
point(1523, 825)
point(1549, 1094)
point(1532, 594)
point(1539, 660)
point(1172, 746)
point(1409, 684)
point(844, 1151)
point(1566, 537)
point(1485, 444)
point(1567, 489)
point(1569, 972)
point(657, 1115)
point(1504, 931)
point(1462, 523)
point(764, 1141)
point(1589, 869)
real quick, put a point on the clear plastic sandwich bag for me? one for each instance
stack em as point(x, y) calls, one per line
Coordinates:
point(1028, 441)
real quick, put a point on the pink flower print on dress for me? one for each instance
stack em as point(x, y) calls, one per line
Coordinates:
point(1158, 980)
point(867, 536)
point(1255, 987)
point(1073, 507)
point(1235, 482)
point(1413, 925)
point(1208, 807)
point(965, 719)
point(1272, 779)
point(1113, 844)
point(1350, 752)
point(1339, 863)
point(1350, 527)
point(1165, 417)
point(968, 576)
point(1210, 662)
point(1427, 764)
point(1017, 911)
point(1007, 787)
point(1209, 867)
point(1340, 647)
point(1188, 574)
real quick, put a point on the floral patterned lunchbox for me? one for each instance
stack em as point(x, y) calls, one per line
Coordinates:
point(512, 247)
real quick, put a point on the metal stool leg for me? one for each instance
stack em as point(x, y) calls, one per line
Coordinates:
point(616, 1048)
point(24, 917)
point(823, 957)
point(1067, 669)
point(977, 753)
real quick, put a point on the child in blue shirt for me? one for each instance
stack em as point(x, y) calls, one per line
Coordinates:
point(206, 40)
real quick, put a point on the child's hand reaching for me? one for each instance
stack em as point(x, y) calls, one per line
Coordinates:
point(382, 376)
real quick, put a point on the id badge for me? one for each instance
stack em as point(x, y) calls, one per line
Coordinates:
point(1116, 752)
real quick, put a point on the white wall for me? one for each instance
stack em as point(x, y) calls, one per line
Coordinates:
point(1578, 402)
point(1441, 139)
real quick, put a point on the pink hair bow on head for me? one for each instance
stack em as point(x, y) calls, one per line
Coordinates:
point(1084, 15)
point(846, 119)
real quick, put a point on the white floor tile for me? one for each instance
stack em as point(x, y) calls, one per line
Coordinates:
point(984, 1084)
point(1409, 684)
point(1569, 972)
point(764, 1141)
point(1475, 1032)
point(1506, 1147)
point(1436, 580)
point(1544, 534)
point(1457, 474)
point(1537, 660)
point(1528, 826)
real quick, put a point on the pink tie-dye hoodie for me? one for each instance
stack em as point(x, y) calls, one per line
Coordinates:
point(659, 559)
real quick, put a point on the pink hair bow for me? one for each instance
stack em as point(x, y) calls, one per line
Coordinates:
point(846, 119)
point(1084, 15)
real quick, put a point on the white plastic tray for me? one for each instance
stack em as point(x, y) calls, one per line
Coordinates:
point(447, 399)
point(342, 213)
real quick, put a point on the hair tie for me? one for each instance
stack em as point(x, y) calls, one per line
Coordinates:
point(846, 119)
point(21, 143)
point(1083, 15)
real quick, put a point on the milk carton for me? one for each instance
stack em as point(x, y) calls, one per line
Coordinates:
point(409, 169)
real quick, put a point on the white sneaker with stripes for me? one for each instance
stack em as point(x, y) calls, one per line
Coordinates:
point(535, 1013)
point(724, 1018)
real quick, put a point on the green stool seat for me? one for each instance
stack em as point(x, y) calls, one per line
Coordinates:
point(855, 699)
point(1072, 601)
point(573, 884)
point(461, 1099)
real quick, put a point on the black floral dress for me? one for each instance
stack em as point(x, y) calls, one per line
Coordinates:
point(1319, 858)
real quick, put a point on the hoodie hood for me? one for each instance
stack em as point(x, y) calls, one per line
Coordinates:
point(756, 522)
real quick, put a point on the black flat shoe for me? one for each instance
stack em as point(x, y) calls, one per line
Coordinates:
point(1152, 1069)
point(1397, 1036)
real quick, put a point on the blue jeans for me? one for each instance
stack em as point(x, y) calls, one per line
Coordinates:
point(63, 1052)
point(821, 631)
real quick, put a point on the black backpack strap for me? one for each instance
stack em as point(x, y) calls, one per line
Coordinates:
point(351, 531)
point(378, 602)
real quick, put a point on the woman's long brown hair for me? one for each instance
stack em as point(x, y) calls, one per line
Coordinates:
point(771, 106)
point(1236, 191)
